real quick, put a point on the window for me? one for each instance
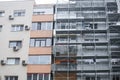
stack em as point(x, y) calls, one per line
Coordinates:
point(0, 28)
point(13, 60)
point(43, 59)
point(40, 42)
point(36, 26)
point(42, 25)
point(42, 10)
point(35, 76)
point(2, 13)
point(19, 13)
point(16, 28)
point(11, 77)
point(15, 43)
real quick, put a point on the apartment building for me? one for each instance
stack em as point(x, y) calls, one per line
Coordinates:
point(40, 51)
point(87, 40)
point(26, 40)
point(15, 20)
point(77, 40)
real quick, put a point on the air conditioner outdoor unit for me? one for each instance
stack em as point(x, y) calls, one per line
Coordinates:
point(16, 48)
point(3, 62)
point(24, 62)
point(27, 27)
point(11, 17)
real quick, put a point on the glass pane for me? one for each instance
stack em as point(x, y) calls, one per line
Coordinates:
point(49, 26)
point(43, 26)
point(29, 76)
point(48, 42)
point(43, 43)
point(37, 43)
point(34, 76)
point(33, 59)
point(46, 76)
point(39, 26)
point(45, 59)
point(32, 41)
point(19, 43)
point(15, 78)
point(12, 44)
point(40, 76)
point(34, 26)
point(17, 61)
point(10, 61)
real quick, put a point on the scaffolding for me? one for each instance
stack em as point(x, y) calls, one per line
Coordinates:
point(86, 40)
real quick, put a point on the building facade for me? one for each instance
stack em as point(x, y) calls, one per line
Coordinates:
point(76, 40)
point(15, 18)
point(86, 42)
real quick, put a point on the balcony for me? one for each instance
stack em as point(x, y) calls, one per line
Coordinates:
point(65, 42)
point(78, 31)
point(83, 67)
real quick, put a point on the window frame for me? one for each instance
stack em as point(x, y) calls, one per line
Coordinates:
point(41, 59)
point(42, 25)
point(17, 27)
point(34, 42)
point(14, 61)
point(17, 43)
point(9, 77)
point(31, 75)
point(19, 13)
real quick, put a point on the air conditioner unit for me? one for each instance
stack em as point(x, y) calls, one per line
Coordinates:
point(16, 48)
point(3, 62)
point(11, 17)
point(24, 62)
point(27, 27)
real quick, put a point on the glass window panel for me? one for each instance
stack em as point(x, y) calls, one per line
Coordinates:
point(48, 42)
point(49, 26)
point(32, 41)
point(43, 26)
point(40, 76)
point(17, 28)
point(39, 59)
point(33, 59)
point(46, 76)
point(29, 76)
point(43, 43)
point(34, 26)
point(10, 61)
point(34, 76)
point(37, 43)
point(19, 13)
point(12, 44)
point(13, 61)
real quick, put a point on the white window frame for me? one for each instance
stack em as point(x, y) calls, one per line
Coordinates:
point(16, 28)
point(13, 61)
point(43, 59)
point(19, 13)
point(15, 43)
